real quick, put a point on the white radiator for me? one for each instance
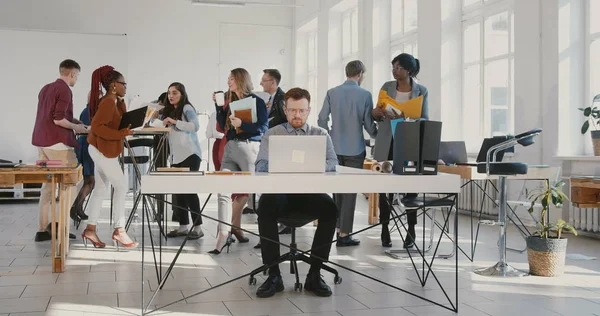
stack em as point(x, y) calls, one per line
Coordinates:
point(585, 219)
point(470, 198)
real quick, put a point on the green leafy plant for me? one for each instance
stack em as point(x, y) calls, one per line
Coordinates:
point(548, 196)
point(592, 114)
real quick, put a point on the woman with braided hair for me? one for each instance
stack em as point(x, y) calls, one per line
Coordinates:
point(106, 144)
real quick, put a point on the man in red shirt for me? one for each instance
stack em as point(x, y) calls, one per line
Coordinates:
point(53, 132)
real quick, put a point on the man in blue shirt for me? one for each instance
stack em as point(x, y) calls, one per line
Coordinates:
point(350, 108)
point(313, 206)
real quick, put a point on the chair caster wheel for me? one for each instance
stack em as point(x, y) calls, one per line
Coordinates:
point(337, 279)
point(252, 281)
point(298, 287)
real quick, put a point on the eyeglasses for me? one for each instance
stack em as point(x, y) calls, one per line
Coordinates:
point(266, 80)
point(397, 68)
point(297, 111)
point(123, 83)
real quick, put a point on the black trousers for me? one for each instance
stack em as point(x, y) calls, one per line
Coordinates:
point(189, 202)
point(385, 209)
point(301, 206)
point(346, 202)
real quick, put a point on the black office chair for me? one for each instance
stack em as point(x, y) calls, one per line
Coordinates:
point(139, 142)
point(504, 169)
point(410, 208)
point(293, 256)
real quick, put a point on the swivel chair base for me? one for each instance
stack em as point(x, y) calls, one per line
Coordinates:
point(501, 269)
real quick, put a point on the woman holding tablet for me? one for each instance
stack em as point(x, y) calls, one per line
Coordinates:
point(106, 144)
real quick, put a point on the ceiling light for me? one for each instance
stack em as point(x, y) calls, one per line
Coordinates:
point(241, 4)
point(218, 3)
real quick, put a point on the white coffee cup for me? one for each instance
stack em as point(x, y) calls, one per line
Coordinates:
point(220, 98)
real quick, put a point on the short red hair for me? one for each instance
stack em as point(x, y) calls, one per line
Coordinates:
point(297, 94)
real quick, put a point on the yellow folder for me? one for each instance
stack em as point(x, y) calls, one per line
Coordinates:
point(411, 108)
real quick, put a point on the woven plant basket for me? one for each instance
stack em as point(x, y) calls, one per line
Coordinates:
point(546, 256)
point(596, 142)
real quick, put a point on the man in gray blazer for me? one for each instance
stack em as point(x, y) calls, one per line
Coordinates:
point(350, 108)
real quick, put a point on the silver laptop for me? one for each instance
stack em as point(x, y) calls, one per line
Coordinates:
point(453, 152)
point(297, 154)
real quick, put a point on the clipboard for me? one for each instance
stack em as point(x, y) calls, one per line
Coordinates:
point(135, 117)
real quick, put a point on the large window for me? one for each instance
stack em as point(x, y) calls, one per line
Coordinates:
point(488, 71)
point(404, 17)
point(594, 48)
point(349, 34)
point(403, 28)
point(312, 53)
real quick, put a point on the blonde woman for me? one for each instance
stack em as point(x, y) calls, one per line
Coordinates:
point(239, 154)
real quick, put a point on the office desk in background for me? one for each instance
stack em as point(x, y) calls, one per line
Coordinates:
point(64, 177)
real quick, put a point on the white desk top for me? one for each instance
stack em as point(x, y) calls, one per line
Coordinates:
point(345, 180)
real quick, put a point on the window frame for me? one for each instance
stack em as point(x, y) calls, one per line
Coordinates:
point(353, 38)
point(478, 13)
point(397, 37)
point(590, 39)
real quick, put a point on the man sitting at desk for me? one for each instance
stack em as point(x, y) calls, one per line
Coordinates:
point(273, 206)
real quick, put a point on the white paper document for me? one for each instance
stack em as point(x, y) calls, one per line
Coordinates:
point(153, 109)
point(244, 104)
point(263, 95)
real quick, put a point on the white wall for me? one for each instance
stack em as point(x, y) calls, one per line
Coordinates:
point(29, 63)
point(166, 40)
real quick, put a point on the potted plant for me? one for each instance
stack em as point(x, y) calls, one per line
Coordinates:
point(546, 249)
point(592, 114)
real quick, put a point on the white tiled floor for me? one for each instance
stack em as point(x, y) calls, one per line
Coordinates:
point(107, 282)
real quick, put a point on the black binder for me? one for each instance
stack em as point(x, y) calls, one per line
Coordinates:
point(407, 144)
point(431, 134)
point(417, 147)
point(135, 118)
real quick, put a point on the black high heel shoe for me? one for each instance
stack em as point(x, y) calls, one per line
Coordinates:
point(82, 215)
point(228, 243)
point(386, 241)
point(239, 235)
point(75, 217)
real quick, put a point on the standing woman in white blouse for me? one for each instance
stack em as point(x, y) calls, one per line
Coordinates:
point(181, 117)
point(405, 69)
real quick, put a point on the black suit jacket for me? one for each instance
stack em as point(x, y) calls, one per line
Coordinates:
point(276, 112)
